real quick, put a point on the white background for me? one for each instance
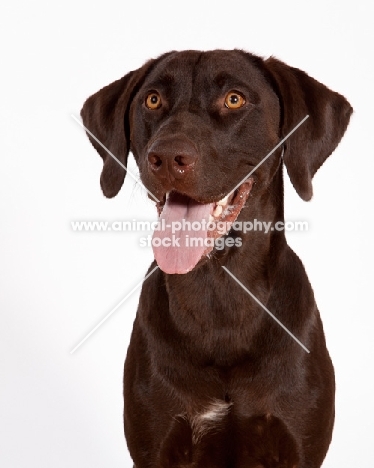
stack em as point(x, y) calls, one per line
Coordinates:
point(63, 410)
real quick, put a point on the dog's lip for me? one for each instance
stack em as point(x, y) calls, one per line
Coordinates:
point(222, 200)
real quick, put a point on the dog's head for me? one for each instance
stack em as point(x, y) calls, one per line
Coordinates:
point(198, 124)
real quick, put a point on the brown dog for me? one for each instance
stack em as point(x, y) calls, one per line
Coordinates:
point(211, 380)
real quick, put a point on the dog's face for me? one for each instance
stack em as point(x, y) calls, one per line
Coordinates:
point(201, 122)
point(198, 123)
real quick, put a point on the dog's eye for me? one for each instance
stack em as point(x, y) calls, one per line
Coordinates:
point(153, 101)
point(234, 100)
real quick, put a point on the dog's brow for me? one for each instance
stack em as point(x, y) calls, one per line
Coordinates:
point(225, 81)
point(224, 78)
point(163, 81)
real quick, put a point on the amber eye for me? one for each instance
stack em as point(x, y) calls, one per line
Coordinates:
point(153, 101)
point(234, 100)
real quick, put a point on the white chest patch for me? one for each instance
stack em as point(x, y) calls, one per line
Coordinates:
point(213, 416)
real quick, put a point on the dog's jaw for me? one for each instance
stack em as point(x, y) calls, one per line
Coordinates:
point(188, 228)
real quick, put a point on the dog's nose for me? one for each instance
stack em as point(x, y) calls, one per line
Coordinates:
point(172, 158)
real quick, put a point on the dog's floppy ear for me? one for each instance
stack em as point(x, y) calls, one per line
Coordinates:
point(311, 144)
point(105, 115)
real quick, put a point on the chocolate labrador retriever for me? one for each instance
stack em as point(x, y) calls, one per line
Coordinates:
point(211, 379)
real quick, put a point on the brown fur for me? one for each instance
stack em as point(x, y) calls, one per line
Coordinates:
point(210, 379)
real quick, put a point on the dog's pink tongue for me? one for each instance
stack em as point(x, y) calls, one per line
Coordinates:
point(179, 242)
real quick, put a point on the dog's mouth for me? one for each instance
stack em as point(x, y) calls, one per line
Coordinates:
point(188, 228)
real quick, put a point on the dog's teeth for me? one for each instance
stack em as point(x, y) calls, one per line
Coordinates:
point(167, 195)
point(217, 211)
point(223, 201)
